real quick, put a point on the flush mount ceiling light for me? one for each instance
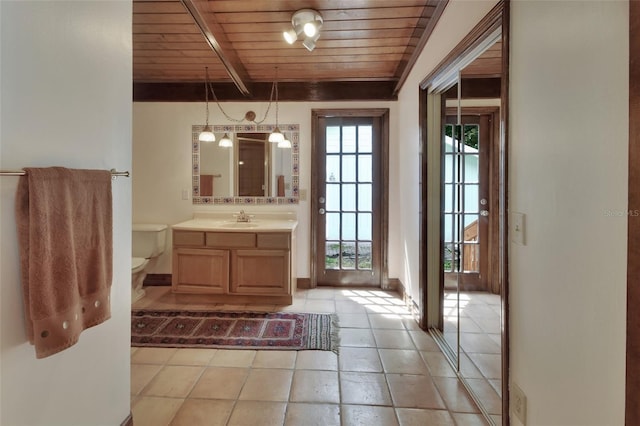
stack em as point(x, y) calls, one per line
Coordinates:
point(307, 22)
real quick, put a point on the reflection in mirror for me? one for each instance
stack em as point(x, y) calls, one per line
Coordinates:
point(251, 171)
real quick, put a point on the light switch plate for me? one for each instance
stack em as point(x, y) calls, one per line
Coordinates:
point(518, 228)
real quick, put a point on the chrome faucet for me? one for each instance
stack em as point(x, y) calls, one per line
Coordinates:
point(242, 217)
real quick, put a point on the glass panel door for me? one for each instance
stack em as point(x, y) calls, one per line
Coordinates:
point(347, 251)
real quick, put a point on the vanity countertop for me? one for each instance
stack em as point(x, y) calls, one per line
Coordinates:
point(227, 223)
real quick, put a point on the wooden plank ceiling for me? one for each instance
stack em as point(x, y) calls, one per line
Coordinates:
point(365, 51)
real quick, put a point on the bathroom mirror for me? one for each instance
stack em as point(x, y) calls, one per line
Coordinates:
point(251, 171)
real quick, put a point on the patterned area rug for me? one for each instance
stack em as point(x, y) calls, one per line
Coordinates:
point(232, 330)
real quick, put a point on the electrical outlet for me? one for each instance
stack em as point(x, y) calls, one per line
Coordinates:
point(518, 403)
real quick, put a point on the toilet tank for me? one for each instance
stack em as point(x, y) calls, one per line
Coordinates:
point(148, 240)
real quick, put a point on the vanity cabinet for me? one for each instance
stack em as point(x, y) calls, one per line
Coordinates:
point(239, 267)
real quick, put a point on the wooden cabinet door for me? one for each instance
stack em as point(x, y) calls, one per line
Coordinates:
point(259, 272)
point(200, 270)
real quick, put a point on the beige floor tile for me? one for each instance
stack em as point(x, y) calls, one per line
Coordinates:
point(360, 359)
point(274, 359)
point(301, 414)
point(133, 350)
point(420, 417)
point(255, 413)
point(393, 339)
point(321, 293)
point(209, 412)
point(350, 307)
point(402, 361)
point(368, 415)
point(317, 360)
point(359, 337)
point(438, 364)
point(233, 358)
point(487, 395)
point(465, 419)
point(455, 395)
point(476, 342)
point(189, 356)
point(496, 384)
point(386, 321)
point(315, 386)
point(411, 324)
point(152, 355)
point(174, 381)
point(220, 383)
point(141, 375)
point(320, 306)
point(364, 389)
point(490, 365)
point(410, 391)
point(267, 385)
point(353, 320)
point(154, 411)
point(423, 341)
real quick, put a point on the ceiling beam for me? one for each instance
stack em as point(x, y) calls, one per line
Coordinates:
point(287, 91)
point(217, 40)
point(431, 16)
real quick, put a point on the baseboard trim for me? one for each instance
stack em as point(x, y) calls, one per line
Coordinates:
point(303, 283)
point(128, 421)
point(157, 280)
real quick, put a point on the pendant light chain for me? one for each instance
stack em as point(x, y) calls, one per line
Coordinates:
point(215, 98)
point(276, 84)
point(206, 92)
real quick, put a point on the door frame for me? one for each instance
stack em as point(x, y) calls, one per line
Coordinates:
point(498, 17)
point(383, 114)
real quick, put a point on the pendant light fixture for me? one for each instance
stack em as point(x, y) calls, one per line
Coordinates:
point(206, 135)
point(276, 136)
point(226, 141)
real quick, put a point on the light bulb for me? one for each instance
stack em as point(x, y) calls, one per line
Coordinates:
point(284, 144)
point(290, 36)
point(226, 141)
point(276, 136)
point(310, 29)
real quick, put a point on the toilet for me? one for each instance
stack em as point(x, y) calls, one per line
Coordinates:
point(147, 243)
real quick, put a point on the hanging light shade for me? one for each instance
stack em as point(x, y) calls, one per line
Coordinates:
point(226, 141)
point(206, 135)
point(286, 143)
point(276, 135)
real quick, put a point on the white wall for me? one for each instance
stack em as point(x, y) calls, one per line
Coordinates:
point(568, 171)
point(66, 100)
point(162, 165)
point(459, 17)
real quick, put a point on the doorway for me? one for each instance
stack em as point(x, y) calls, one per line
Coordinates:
point(348, 201)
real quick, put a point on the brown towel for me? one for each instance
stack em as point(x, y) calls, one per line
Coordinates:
point(64, 220)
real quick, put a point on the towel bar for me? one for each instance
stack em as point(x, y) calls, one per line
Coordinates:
point(114, 173)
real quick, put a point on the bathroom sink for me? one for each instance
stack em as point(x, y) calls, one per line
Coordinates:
point(240, 225)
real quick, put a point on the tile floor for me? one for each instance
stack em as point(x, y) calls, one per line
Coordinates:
point(388, 372)
point(480, 343)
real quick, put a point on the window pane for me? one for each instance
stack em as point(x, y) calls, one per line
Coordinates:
point(471, 227)
point(471, 168)
point(349, 139)
point(333, 226)
point(365, 138)
point(364, 256)
point(448, 140)
point(348, 168)
point(471, 201)
point(348, 255)
point(333, 197)
point(332, 255)
point(450, 164)
point(364, 226)
point(348, 197)
point(364, 168)
point(448, 231)
point(364, 197)
point(348, 226)
point(333, 139)
point(471, 137)
point(471, 258)
point(448, 197)
point(333, 168)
